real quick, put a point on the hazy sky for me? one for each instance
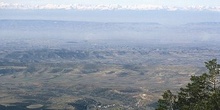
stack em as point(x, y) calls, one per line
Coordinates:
point(180, 3)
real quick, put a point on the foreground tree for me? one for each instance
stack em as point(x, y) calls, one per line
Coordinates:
point(203, 93)
point(168, 101)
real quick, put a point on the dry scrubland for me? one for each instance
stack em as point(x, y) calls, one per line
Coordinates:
point(107, 79)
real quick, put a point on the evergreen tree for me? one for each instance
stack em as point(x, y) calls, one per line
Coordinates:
point(203, 93)
point(168, 101)
point(193, 93)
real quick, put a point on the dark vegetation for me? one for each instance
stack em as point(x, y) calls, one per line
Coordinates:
point(203, 93)
point(130, 90)
point(90, 68)
point(85, 103)
point(9, 70)
point(123, 74)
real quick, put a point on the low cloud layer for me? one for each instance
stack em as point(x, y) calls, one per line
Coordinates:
point(4, 5)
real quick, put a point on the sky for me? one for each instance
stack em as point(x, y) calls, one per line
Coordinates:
point(179, 3)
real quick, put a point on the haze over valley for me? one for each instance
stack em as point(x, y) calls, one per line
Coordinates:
point(101, 59)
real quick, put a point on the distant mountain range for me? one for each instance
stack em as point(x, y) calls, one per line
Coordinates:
point(4, 5)
point(63, 31)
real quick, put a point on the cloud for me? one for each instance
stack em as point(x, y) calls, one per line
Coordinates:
point(106, 7)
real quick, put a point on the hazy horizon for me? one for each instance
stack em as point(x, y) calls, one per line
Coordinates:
point(155, 16)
